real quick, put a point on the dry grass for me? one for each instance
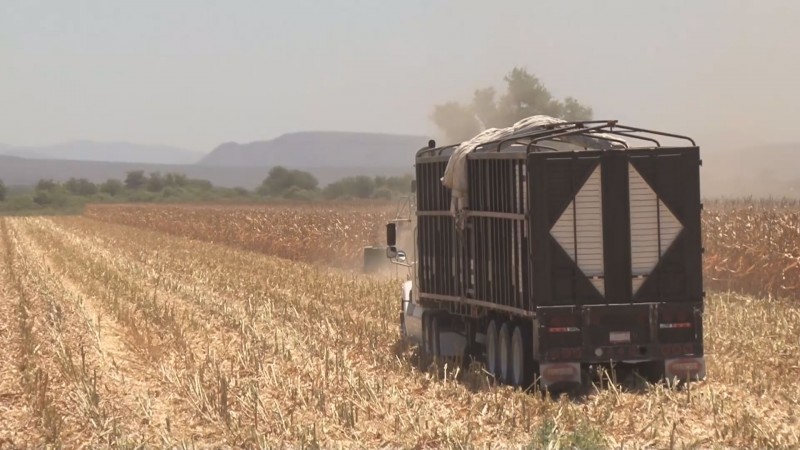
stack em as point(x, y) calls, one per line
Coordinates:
point(126, 337)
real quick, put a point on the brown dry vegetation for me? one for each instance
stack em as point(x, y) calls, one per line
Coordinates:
point(329, 233)
point(751, 247)
point(121, 337)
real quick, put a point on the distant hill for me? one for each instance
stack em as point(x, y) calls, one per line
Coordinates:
point(321, 149)
point(15, 171)
point(106, 151)
point(758, 171)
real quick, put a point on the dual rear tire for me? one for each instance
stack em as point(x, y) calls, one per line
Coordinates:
point(430, 335)
point(509, 356)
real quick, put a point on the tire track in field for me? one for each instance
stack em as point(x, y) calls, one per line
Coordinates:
point(319, 306)
point(95, 412)
point(124, 374)
point(19, 424)
point(743, 405)
point(226, 328)
point(128, 355)
point(50, 395)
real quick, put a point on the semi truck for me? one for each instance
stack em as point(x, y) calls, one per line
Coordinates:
point(550, 248)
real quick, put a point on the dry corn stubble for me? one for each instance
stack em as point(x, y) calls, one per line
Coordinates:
point(752, 247)
point(329, 233)
point(257, 351)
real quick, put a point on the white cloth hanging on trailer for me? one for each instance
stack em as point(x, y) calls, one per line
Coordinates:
point(455, 174)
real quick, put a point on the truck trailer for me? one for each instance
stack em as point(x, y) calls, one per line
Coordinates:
point(552, 247)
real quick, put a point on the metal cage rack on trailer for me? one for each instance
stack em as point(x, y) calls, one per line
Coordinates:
point(596, 129)
point(532, 237)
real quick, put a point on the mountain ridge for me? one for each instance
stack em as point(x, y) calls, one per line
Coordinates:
point(325, 148)
point(762, 170)
point(107, 151)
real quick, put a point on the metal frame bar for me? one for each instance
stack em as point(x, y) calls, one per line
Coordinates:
point(473, 213)
point(438, 150)
point(659, 133)
point(629, 135)
point(475, 302)
point(580, 130)
point(590, 128)
point(550, 131)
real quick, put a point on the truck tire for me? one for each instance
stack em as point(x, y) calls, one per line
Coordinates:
point(504, 338)
point(521, 357)
point(436, 349)
point(424, 354)
point(492, 360)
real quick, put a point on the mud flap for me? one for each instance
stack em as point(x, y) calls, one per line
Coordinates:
point(685, 369)
point(559, 374)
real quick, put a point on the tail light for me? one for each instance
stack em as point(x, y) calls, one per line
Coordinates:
point(675, 325)
point(563, 329)
point(563, 323)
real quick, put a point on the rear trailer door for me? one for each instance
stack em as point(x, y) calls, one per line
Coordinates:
point(616, 254)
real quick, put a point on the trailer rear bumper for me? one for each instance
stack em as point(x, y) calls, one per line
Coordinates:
point(685, 369)
point(559, 374)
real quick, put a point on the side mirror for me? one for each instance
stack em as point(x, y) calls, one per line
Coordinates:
point(401, 256)
point(414, 186)
point(391, 234)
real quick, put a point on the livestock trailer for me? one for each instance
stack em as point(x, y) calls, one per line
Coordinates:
point(569, 245)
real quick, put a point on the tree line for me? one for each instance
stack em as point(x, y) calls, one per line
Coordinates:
point(280, 184)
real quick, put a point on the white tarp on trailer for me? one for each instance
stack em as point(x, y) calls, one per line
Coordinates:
point(455, 175)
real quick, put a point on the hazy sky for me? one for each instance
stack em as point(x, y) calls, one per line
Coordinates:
point(195, 73)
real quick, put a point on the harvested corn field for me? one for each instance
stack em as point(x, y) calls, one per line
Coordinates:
point(751, 247)
point(120, 337)
point(329, 233)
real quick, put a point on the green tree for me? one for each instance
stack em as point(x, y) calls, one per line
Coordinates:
point(196, 184)
point(3, 191)
point(280, 180)
point(175, 179)
point(358, 187)
point(112, 187)
point(525, 96)
point(241, 192)
point(156, 182)
point(485, 108)
point(135, 179)
point(47, 186)
point(400, 185)
point(80, 186)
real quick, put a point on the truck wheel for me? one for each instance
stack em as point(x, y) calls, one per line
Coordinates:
point(424, 350)
point(504, 336)
point(491, 349)
point(436, 350)
point(521, 357)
